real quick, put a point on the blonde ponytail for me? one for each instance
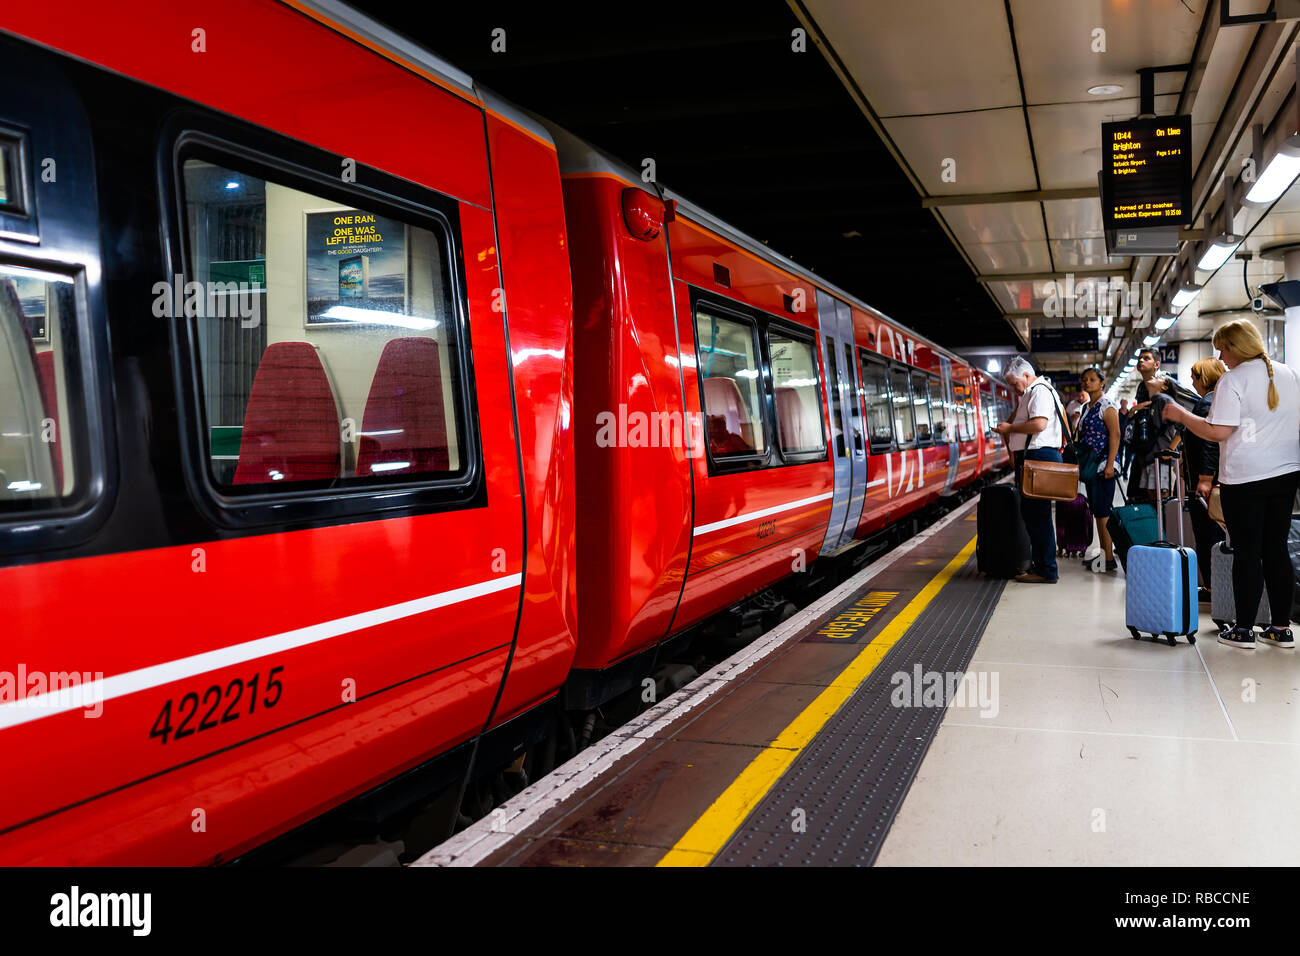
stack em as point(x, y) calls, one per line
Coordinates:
point(1272, 389)
point(1241, 336)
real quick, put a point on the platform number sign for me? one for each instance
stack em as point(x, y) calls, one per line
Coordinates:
point(1168, 354)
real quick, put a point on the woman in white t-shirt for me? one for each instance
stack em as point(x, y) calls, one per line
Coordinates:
point(1255, 418)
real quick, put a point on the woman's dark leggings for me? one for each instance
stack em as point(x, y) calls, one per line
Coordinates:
point(1258, 515)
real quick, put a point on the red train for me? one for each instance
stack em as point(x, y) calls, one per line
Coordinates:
point(359, 430)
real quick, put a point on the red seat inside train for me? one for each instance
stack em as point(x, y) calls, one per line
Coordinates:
point(291, 427)
point(796, 419)
point(730, 430)
point(404, 430)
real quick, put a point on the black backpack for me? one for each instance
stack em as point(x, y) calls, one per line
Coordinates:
point(1144, 430)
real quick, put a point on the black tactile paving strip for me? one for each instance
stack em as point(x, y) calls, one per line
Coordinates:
point(850, 781)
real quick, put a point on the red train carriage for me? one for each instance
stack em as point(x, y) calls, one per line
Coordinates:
point(311, 535)
point(302, 385)
point(808, 421)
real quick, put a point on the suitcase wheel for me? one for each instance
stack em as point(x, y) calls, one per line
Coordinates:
point(1191, 638)
point(1171, 638)
point(1137, 635)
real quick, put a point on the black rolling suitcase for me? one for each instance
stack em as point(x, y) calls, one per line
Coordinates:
point(1002, 543)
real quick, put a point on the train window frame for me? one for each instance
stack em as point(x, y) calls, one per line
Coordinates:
point(987, 407)
point(944, 407)
point(18, 219)
point(912, 373)
point(866, 357)
point(906, 370)
point(799, 333)
point(274, 158)
point(772, 456)
point(39, 524)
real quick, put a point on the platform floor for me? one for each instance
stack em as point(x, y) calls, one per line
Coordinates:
point(1069, 742)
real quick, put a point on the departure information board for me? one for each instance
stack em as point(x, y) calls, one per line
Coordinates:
point(1146, 172)
point(1063, 340)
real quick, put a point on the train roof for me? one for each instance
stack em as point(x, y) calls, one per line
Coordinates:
point(578, 156)
point(575, 154)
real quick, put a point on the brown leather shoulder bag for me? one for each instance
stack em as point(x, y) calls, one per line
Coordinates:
point(1052, 480)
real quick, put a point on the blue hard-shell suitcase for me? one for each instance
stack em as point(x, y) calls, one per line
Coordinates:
point(1160, 596)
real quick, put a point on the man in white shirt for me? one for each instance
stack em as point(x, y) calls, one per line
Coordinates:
point(1037, 423)
point(1075, 408)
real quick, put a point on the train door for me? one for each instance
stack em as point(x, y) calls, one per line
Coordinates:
point(848, 446)
point(947, 409)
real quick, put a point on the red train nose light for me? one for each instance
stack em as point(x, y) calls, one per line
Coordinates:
point(643, 213)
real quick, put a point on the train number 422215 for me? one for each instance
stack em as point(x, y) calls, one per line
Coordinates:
point(213, 698)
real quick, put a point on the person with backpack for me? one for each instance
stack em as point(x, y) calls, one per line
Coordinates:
point(1125, 416)
point(1255, 418)
point(1150, 434)
point(1098, 444)
point(1039, 416)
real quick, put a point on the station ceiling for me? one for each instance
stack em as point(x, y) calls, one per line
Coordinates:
point(1006, 92)
point(766, 138)
point(835, 156)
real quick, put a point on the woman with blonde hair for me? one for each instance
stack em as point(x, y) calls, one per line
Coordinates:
point(1255, 418)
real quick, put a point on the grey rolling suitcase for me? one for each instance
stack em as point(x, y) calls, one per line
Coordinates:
point(1223, 606)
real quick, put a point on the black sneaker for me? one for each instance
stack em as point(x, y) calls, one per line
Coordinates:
point(1112, 565)
point(1243, 637)
point(1278, 637)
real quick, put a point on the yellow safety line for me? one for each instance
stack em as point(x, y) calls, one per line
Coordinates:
point(707, 836)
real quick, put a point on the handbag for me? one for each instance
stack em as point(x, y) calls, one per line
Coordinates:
point(1052, 480)
point(1088, 460)
point(1214, 507)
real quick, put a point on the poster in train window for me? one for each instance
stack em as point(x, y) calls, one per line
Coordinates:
point(356, 267)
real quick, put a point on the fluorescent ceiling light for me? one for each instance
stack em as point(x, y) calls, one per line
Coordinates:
point(1165, 321)
point(1220, 251)
point(995, 366)
point(1105, 89)
point(348, 313)
point(1279, 174)
point(1184, 296)
point(1150, 340)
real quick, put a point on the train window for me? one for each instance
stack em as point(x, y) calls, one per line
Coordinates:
point(904, 417)
point(798, 405)
point(921, 404)
point(988, 404)
point(855, 399)
point(940, 411)
point(326, 338)
point(729, 375)
point(13, 186)
point(961, 409)
point(38, 421)
point(875, 390)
